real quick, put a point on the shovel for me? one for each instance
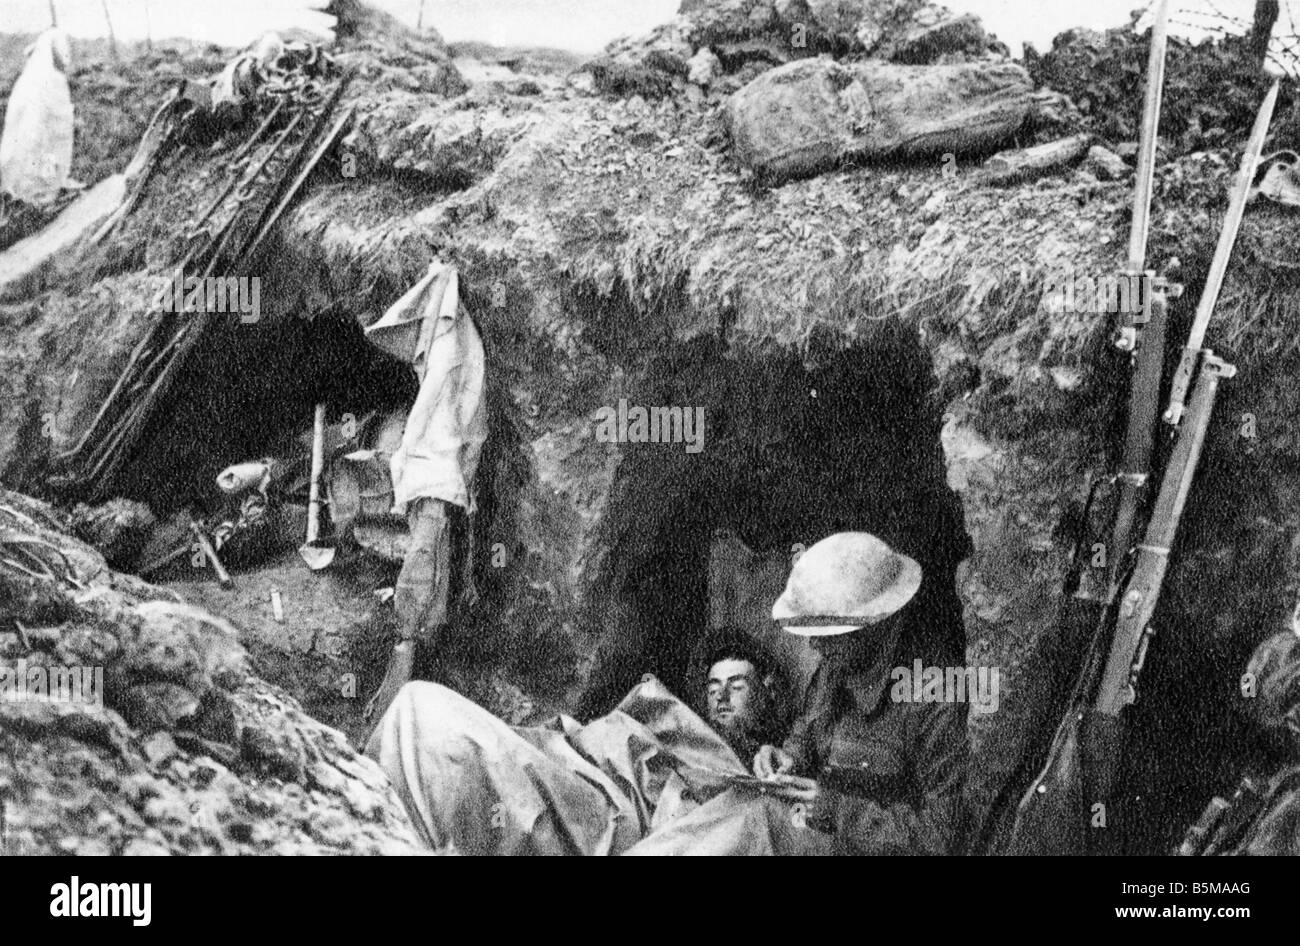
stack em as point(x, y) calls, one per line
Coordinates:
point(315, 553)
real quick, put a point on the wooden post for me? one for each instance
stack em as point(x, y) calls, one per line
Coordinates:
point(1027, 164)
point(112, 37)
point(1261, 32)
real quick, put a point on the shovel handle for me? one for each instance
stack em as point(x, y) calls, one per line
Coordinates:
point(317, 466)
point(223, 576)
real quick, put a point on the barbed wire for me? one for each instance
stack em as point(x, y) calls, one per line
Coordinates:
point(1210, 18)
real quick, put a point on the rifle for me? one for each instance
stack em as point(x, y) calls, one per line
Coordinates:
point(93, 461)
point(1144, 396)
point(1085, 752)
point(1222, 255)
point(1223, 823)
point(1228, 827)
point(1144, 392)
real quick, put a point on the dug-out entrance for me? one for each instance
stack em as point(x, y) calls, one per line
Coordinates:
point(795, 447)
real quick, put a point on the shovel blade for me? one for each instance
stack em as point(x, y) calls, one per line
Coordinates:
point(316, 556)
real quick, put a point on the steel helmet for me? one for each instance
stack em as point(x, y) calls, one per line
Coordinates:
point(844, 582)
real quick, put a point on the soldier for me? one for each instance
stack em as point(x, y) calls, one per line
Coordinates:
point(744, 693)
point(1263, 815)
point(862, 772)
point(476, 784)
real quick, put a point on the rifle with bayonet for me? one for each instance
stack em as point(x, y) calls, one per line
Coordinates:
point(1143, 338)
point(1084, 607)
point(1078, 778)
point(271, 182)
point(1085, 755)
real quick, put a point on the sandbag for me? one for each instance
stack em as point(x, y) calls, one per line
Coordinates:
point(36, 145)
point(815, 115)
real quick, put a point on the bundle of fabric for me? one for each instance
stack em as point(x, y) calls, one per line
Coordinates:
point(36, 145)
point(644, 777)
point(1278, 179)
point(434, 466)
point(272, 62)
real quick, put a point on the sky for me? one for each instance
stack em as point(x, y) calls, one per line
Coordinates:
point(579, 25)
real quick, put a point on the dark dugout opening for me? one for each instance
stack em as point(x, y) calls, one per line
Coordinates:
point(246, 391)
point(794, 449)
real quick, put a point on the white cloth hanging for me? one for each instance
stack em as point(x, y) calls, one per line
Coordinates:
point(36, 144)
point(447, 425)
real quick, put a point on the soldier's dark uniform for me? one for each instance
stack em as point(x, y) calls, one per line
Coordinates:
point(1263, 816)
point(891, 773)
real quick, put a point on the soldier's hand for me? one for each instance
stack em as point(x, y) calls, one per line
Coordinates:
point(794, 788)
point(770, 761)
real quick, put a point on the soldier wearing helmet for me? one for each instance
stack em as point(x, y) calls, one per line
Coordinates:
point(879, 775)
point(862, 772)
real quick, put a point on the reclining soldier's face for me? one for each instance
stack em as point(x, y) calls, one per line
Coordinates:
point(733, 697)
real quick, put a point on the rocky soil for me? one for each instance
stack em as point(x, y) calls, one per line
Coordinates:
point(185, 750)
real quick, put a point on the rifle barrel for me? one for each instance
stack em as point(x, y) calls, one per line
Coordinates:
point(1222, 256)
point(1143, 408)
point(1146, 166)
point(1144, 395)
